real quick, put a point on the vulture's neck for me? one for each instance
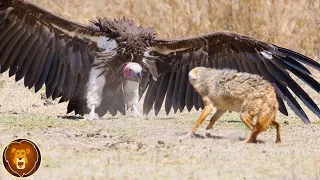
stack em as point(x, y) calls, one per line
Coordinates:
point(130, 87)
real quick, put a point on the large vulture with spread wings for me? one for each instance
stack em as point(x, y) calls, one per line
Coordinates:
point(84, 64)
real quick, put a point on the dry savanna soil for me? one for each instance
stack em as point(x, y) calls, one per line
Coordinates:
point(125, 147)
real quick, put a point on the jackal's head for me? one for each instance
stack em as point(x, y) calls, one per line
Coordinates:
point(196, 75)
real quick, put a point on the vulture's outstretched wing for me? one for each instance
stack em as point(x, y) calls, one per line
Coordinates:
point(174, 59)
point(45, 49)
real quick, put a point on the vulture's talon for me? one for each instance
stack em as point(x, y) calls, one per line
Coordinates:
point(136, 113)
point(91, 116)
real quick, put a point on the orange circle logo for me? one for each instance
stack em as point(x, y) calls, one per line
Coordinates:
point(21, 158)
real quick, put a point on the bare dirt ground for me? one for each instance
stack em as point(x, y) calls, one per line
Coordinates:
point(151, 148)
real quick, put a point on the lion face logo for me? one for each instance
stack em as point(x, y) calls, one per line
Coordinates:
point(21, 158)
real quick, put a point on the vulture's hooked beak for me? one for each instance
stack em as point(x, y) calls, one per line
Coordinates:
point(139, 77)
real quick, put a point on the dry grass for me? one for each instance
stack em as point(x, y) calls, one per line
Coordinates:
point(294, 24)
point(130, 148)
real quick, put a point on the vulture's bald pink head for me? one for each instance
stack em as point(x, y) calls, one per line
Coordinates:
point(132, 71)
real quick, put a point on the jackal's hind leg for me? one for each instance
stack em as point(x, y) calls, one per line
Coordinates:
point(277, 125)
point(247, 119)
point(263, 122)
point(215, 117)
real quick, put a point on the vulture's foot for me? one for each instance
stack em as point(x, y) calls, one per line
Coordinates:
point(135, 112)
point(91, 116)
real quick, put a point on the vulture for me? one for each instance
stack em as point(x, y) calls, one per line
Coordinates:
point(68, 58)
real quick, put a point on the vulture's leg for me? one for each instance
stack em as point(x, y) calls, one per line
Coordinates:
point(135, 110)
point(92, 115)
point(94, 92)
point(131, 96)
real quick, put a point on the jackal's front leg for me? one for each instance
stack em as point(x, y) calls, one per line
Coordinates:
point(204, 114)
point(215, 117)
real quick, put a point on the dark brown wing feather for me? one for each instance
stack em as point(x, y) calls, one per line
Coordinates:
point(44, 49)
point(233, 51)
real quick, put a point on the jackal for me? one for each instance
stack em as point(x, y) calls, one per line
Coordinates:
point(228, 90)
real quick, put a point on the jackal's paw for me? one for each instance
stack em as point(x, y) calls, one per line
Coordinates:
point(249, 140)
point(278, 141)
point(91, 116)
point(186, 136)
point(245, 141)
point(209, 132)
point(209, 127)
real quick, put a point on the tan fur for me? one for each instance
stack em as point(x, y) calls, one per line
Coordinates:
point(228, 90)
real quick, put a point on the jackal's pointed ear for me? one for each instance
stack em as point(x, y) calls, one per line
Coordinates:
point(193, 74)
